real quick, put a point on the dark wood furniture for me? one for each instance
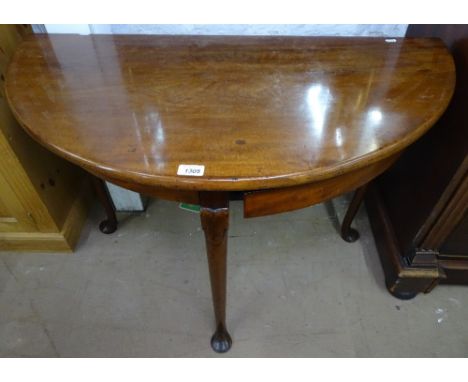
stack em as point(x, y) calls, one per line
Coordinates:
point(418, 209)
point(281, 122)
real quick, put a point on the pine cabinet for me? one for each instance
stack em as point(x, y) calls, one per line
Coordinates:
point(43, 199)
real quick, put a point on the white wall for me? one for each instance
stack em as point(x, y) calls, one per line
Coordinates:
point(388, 30)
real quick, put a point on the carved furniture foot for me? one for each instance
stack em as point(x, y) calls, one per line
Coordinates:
point(348, 233)
point(109, 225)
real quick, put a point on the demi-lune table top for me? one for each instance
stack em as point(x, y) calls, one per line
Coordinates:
point(256, 112)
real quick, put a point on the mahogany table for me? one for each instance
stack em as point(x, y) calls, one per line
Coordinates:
point(280, 122)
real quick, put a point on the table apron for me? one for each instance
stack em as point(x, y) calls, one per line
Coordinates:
point(273, 201)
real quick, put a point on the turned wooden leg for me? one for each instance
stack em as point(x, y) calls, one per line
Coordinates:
point(214, 214)
point(108, 225)
point(347, 233)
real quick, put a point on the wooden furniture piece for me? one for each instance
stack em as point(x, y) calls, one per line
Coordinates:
point(109, 225)
point(418, 209)
point(280, 122)
point(43, 198)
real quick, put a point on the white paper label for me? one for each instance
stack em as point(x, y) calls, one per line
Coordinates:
point(390, 40)
point(191, 170)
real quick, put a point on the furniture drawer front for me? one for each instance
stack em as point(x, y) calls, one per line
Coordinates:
point(266, 202)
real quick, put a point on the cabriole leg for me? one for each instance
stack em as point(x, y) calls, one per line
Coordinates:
point(108, 225)
point(214, 213)
point(347, 233)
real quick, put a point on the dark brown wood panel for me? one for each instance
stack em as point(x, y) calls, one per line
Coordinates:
point(456, 240)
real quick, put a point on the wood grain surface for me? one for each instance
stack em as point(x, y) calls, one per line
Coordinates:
point(257, 112)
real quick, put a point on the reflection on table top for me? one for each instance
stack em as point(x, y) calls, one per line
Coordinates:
point(257, 112)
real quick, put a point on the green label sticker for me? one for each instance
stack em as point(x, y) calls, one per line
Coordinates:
point(190, 207)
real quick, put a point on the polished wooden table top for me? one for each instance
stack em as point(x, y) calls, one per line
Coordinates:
point(257, 112)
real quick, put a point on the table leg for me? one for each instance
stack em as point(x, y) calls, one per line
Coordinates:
point(347, 233)
point(108, 225)
point(214, 214)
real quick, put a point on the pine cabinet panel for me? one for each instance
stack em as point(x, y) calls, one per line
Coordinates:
point(43, 199)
